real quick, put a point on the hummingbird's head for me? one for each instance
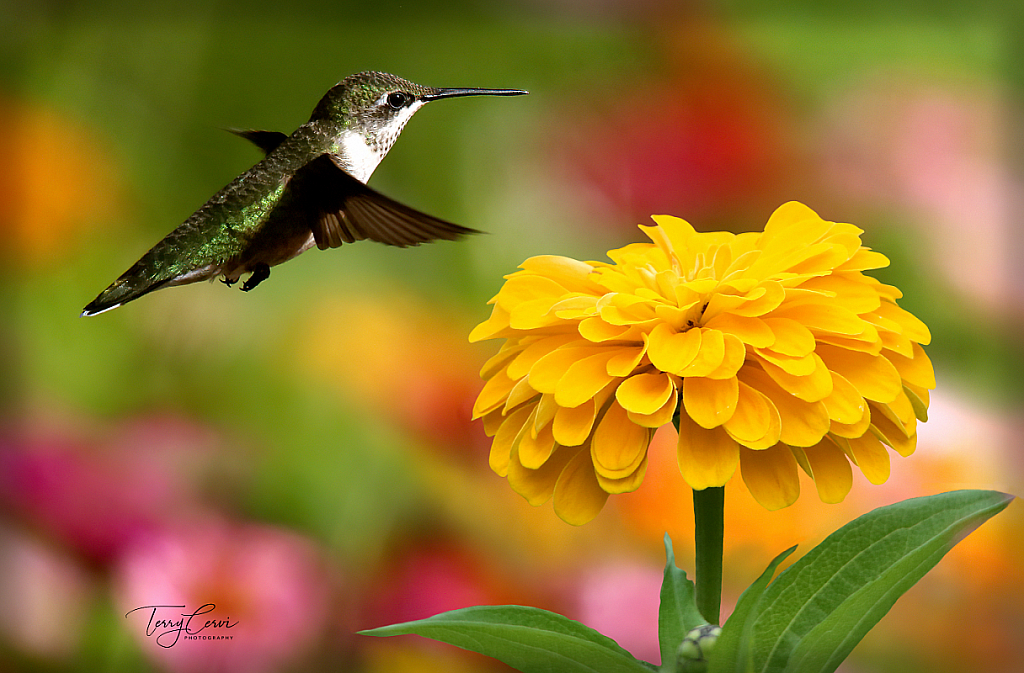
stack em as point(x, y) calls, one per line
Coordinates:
point(376, 106)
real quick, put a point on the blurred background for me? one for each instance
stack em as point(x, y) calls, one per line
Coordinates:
point(302, 455)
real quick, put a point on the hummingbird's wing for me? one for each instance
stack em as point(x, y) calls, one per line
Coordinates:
point(341, 209)
point(265, 140)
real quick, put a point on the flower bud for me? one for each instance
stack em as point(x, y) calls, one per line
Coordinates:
point(692, 653)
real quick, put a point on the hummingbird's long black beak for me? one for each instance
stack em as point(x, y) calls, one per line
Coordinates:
point(437, 94)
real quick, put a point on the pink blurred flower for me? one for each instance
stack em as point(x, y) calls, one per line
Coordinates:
point(257, 596)
point(435, 576)
point(429, 574)
point(940, 153)
point(621, 601)
point(97, 495)
point(46, 595)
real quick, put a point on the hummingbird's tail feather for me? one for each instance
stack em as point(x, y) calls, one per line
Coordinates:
point(123, 290)
point(145, 276)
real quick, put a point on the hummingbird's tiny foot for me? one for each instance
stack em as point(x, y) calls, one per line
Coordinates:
point(227, 281)
point(260, 273)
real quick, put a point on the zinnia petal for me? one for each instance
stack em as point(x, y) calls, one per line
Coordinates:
point(787, 215)
point(766, 297)
point(874, 377)
point(844, 403)
point(549, 370)
point(504, 440)
point(849, 288)
point(522, 289)
point(912, 327)
point(896, 343)
point(827, 317)
point(893, 435)
point(830, 470)
point(545, 413)
point(918, 400)
point(810, 388)
point(626, 309)
point(871, 457)
point(538, 485)
point(572, 425)
point(521, 392)
point(732, 359)
point(500, 360)
point(803, 423)
point(596, 329)
point(583, 379)
point(917, 370)
point(535, 448)
point(706, 458)
point(578, 497)
point(771, 476)
point(494, 327)
point(750, 330)
point(710, 355)
point(794, 366)
point(568, 272)
point(710, 402)
point(645, 393)
point(618, 445)
point(790, 337)
point(756, 422)
point(626, 484)
point(670, 351)
point(660, 417)
point(851, 430)
point(492, 422)
point(863, 260)
point(626, 360)
point(534, 351)
point(494, 394)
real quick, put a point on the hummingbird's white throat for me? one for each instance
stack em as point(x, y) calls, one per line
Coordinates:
point(363, 152)
point(360, 158)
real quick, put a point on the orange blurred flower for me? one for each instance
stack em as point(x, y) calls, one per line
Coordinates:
point(54, 181)
point(399, 357)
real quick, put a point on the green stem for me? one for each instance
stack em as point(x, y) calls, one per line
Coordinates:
point(708, 506)
point(708, 527)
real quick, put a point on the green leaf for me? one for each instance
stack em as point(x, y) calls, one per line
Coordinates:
point(528, 639)
point(818, 609)
point(678, 613)
point(732, 651)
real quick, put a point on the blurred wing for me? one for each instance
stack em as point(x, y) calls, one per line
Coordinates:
point(265, 140)
point(341, 209)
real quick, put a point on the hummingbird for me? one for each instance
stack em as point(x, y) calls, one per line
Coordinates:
point(309, 189)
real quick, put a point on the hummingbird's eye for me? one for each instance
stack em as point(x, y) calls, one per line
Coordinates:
point(398, 100)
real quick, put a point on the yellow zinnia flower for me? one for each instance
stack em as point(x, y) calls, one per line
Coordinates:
point(774, 348)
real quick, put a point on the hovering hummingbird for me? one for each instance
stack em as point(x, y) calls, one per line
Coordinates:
point(309, 189)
